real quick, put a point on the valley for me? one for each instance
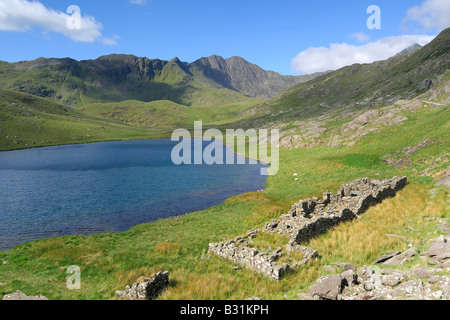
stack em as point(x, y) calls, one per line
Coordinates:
point(379, 120)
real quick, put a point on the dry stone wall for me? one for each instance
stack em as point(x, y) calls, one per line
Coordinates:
point(146, 288)
point(304, 221)
point(312, 217)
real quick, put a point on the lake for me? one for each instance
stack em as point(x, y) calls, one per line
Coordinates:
point(108, 187)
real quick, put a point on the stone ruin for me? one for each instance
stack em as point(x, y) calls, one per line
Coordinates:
point(312, 217)
point(305, 220)
point(146, 288)
point(264, 262)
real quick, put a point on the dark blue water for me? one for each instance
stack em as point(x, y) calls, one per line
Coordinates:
point(107, 187)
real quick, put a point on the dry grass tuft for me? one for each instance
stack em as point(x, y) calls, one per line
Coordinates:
point(167, 248)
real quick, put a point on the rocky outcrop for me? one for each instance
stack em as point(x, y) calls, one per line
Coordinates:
point(249, 79)
point(146, 288)
point(312, 217)
point(19, 295)
point(445, 180)
point(306, 219)
point(374, 283)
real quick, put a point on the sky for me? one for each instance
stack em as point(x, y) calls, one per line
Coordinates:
point(286, 36)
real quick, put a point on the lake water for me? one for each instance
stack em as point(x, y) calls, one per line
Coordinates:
point(107, 187)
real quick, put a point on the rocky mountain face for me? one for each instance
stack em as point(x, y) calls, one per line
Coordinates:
point(249, 79)
point(121, 77)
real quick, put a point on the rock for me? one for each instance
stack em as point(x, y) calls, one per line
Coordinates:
point(398, 120)
point(369, 286)
point(349, 278)
point(327, 288)
point(401, 258)
point(391, 280)
point(436, 279)
point(329, 268)
point(423, 272)
point(304, 296)
point(445, 228)
point(440, 239)
point(387, 256)
point(364, 274)
point(121, 294)
point(411, 287)
point(438, 252)
point(19, 295)
point(146, 288)
point(345, 265)
point(253, 299)
point(445, 181)
point(365, 118)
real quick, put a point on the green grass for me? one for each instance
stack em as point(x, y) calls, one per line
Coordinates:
point(28, 121)
point(168, 114)
point(109, 262)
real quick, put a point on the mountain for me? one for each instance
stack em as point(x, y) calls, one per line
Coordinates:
point(410, 49)
point(361, 86)
point(209, 81)
point(242, 76)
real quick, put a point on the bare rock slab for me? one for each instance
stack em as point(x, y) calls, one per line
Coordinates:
point(401, 258)
point(19, 295)
point(327, 288)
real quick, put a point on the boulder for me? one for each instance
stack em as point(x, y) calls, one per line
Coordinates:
point(327, 288)
point(401, 258)
point(387, 256)
point(345, 265)
point(438, 252)
point(391, 280)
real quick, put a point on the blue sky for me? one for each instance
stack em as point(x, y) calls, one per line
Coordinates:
point(287, 36)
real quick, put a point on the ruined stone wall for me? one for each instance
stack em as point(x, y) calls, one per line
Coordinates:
point(146, 288)
point(305, 220)
point(251, 258)
point(312, 217)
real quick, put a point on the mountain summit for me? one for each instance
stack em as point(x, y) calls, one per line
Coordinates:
point(242, 76)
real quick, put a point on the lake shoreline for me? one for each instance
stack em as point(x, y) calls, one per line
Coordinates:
point(260, 189)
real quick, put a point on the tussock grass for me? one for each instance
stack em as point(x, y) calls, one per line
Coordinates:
point(167, 247)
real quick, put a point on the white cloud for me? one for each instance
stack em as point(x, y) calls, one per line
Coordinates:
point(360, 37)
point(110, 41)
point(431, 15)
point(23, 15)
point(338, 55)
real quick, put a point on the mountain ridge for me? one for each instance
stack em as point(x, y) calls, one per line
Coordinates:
point(119, 77)
point(361, 86)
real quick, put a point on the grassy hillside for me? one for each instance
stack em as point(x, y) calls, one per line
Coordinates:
point(28, 121)
point(361, 86)
point(168, 114)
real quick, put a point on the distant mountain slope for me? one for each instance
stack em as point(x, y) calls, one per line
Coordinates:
point(207, 82)
point(29, 121)
point(410, 49)
point(242, 76)
point(361, 86)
